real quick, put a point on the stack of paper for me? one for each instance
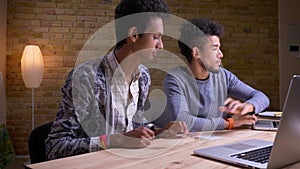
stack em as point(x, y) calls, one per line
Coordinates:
point(270, 115)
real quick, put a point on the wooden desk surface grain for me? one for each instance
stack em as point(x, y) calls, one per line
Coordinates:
point(161, 154)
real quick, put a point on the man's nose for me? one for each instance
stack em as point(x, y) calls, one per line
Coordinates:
point(160, 44)
point(220, 53)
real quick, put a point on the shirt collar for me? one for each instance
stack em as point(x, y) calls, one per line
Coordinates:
point(117, 69)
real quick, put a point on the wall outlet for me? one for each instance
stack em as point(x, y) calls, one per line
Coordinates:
point(294, 48)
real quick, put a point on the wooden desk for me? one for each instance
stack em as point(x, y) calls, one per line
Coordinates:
point(162, 153)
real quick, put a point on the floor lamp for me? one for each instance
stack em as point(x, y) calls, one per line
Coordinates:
point(32, 67)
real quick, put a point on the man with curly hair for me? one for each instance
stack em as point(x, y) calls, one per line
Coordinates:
point(205, 95)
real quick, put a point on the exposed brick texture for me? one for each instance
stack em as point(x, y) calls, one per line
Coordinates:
point(61, 28)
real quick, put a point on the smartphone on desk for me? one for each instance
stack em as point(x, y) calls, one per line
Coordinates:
point(266, 125)
point(268, 121)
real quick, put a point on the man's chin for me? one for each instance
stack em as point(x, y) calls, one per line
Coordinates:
point(147, 58)
point(214, 70)
point(150, 57)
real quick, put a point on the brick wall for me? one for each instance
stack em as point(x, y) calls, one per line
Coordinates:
point(61, 27)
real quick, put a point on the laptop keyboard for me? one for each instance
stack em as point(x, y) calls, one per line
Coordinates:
point(259, 155)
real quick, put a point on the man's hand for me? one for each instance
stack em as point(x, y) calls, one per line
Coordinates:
point(233, 106)
point(173, 128)
point(239, 112)
point(137, 138)
point(239, 120)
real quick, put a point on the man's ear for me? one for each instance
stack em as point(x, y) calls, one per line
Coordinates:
point(132, 34)
point(196, 52)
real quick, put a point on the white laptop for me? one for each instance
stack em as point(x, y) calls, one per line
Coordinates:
point(283, 152)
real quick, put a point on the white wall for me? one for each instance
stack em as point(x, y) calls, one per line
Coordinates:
point(3, 14)
point(289, 12)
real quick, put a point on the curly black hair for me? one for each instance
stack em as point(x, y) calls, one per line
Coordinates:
point(129, 7)
point(193, 34)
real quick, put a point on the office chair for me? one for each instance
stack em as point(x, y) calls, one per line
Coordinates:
point(36, 142)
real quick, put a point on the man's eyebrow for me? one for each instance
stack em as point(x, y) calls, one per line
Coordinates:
point(153, 32)
point(216, 45)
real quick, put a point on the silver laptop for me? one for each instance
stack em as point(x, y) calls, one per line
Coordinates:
point(285, 150)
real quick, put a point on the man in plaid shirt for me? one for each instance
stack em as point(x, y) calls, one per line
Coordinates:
point(103, 99)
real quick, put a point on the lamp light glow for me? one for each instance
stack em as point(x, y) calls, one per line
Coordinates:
point(32, 66)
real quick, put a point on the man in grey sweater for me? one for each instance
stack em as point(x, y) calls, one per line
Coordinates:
point(205, 95)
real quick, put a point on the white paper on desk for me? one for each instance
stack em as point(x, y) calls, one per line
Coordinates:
point(270, 113)
point(208, 137)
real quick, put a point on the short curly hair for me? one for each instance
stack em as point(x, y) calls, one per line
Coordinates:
point(194, 33)
point(128, 7)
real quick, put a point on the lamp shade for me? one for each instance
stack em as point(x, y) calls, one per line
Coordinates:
point(32, 66)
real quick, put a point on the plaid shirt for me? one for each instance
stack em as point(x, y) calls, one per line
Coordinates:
point(88, 110)
point(124, 96)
